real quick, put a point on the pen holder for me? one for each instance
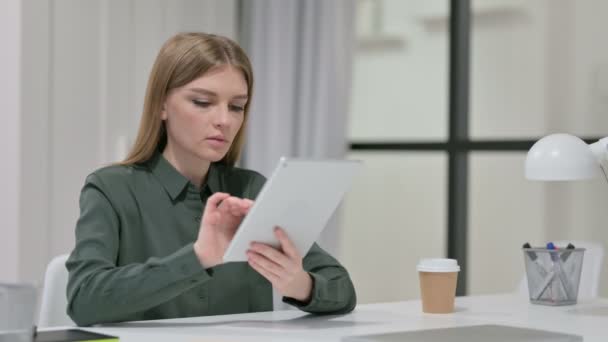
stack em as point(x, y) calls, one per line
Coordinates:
point(553, 275)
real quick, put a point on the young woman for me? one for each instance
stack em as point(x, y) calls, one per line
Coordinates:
point(153, 229)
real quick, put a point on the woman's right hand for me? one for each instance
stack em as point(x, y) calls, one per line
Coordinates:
point(222, 216)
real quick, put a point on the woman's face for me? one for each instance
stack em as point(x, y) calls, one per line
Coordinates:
point(203, 117)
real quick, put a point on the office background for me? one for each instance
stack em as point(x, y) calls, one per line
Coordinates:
point(74, 75)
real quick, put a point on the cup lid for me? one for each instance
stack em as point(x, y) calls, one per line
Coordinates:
point(438, 265)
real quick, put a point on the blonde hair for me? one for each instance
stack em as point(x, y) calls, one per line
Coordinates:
point(182, 59)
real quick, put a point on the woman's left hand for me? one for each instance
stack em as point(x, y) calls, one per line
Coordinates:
point(283, 268)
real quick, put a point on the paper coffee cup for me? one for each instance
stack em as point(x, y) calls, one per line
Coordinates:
point(438, 278)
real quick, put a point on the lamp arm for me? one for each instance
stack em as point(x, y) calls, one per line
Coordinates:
point(600, 150)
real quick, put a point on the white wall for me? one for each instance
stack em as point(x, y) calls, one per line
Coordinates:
point(83, 68)
point(35, 139)
point(10, 27)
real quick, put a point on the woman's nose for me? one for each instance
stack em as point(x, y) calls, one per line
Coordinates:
point(222, 116)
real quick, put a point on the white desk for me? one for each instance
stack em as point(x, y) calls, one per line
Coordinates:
point(589, 319)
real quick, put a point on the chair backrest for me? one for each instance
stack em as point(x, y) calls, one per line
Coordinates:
point(590, 275)
point(54, 300)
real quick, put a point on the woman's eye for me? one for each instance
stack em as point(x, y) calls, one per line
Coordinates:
point(203, 104)
point(235, 108)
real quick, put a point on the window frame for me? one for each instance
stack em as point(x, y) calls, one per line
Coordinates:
point(459, 144)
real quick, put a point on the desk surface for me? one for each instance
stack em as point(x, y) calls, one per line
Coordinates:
point(588, 319)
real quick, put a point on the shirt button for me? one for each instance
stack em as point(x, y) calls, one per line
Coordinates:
point(197, 219)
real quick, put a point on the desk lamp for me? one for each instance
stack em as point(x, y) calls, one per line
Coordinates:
point(564, 157)
point(560, 157)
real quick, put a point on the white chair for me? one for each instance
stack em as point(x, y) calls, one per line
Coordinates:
point(54, 300)
point(590, 275)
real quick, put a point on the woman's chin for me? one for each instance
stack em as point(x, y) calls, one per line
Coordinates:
point(212, 156)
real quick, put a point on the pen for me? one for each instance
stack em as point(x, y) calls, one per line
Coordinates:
point(532, 255)
point(558, 270)
point(540, 270)
point(565, 255)
point(554, 286)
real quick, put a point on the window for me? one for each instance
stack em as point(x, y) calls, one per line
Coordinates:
point(518, 70)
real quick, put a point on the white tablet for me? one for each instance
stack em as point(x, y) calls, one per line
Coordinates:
point(300, 196)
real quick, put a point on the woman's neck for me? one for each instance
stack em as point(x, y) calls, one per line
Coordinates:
point(191, 167)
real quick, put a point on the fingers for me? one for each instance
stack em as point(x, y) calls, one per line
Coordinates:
point(221, 206)
point(246, 204)
point(270, 253)
point(234, 206)
point(214, 218)
point(228, 206)
point(286, 245)
point(219, 198)
point(266, 263)
point(265, 273)
point(286, 277)
point(215, 199)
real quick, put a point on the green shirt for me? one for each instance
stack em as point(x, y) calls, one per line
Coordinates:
point(134, 256)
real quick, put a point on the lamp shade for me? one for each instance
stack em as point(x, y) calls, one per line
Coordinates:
point(561, 157)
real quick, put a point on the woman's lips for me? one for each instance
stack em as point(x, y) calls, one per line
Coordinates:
point(216, 142)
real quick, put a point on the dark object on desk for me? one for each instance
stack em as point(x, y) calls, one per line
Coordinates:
point(72, 335)
point(476, 333)
point(565, 255)
point(532, 255)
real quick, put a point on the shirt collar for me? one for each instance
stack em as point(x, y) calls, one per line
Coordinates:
point(213, 178)
point(174, 182)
